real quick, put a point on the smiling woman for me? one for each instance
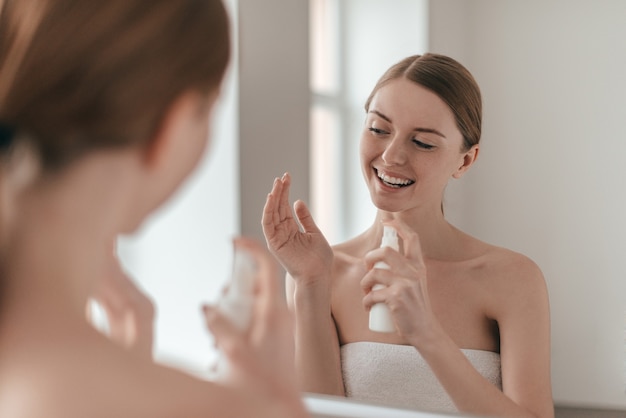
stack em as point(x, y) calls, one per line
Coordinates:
point(458, 111)
point(462, 309)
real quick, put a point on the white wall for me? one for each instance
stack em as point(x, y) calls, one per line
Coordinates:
point(550, 179)
point(274, 102)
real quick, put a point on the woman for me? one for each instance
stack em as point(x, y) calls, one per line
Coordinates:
point(17, 168)
point(115, 97)
point(462, 309)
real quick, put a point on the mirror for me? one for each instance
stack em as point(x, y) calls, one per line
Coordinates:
point(549, 181)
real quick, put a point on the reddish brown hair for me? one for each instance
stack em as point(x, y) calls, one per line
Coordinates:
point(80, 75)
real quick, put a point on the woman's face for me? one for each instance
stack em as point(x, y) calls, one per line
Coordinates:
point(410, 147)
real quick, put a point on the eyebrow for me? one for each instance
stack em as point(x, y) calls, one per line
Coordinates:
point(425, 130)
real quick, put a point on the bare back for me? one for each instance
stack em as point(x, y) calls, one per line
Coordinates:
point(72, 371)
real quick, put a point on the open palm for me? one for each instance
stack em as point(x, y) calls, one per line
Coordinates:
point(297, 243)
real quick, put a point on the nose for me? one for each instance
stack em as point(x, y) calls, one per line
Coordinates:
point(395, 152)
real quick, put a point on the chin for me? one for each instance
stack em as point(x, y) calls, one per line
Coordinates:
point(385, 205)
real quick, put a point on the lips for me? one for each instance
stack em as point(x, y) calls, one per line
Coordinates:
point(393, 181)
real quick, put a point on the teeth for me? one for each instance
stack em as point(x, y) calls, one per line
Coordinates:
point(393, 180)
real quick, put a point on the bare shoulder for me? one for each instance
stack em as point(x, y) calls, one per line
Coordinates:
point(101, 380)
point(514, 280)
point(512, 268)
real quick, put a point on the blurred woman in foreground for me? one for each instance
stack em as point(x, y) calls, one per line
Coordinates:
point(115, 99)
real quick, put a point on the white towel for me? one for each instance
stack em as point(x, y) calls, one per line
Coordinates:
point(397, 375)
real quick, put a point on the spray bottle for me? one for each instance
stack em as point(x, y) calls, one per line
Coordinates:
point(238, 301)
point(380, 316)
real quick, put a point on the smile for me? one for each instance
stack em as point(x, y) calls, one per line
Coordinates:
point(393, 181)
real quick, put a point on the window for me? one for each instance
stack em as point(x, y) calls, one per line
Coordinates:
point(352, 43)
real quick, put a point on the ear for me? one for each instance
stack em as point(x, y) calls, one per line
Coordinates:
point(468, 159)
point(164, 138)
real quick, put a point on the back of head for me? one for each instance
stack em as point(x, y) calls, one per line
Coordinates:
point(77, 76)
point(449, 80)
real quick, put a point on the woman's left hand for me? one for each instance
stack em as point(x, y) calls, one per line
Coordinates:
point(130, 313)
point(406, 286)
point(261, 357)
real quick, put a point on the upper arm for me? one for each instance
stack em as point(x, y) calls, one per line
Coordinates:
point(524, 324)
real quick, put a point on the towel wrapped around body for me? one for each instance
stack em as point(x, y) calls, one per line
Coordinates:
point(397, 375)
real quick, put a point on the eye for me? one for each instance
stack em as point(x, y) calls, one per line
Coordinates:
point(423, 145)
point(377, 132)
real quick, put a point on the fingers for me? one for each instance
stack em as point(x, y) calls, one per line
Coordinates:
point(284, 209)
point(277, 210)
point(130, 322)
point(270, 210)
point(304, 217)
point(277, 204)
point(412, 248)
point(230, 340)
point(386, 255)
point(380, 294)
point(380, 286)
point(376, 277)
point(236, 344)
point(119, 297)
point(409, 262)
point(405, 270)
point(129, 311)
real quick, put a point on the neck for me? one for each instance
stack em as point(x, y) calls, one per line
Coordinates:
point(438, 238)
point(63, 236)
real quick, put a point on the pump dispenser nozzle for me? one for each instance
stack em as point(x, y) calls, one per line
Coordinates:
point(380, 318)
